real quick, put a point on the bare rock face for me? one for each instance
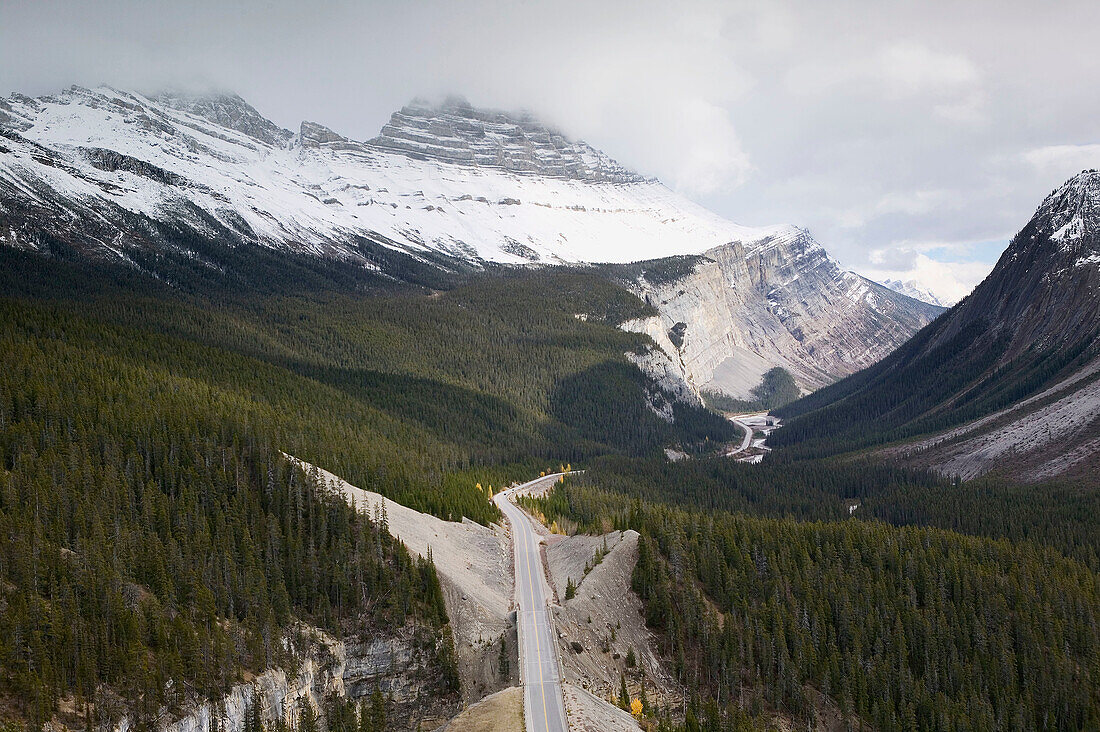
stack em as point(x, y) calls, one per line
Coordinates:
point(394, 664)
point(742, 309)
point(230, 111)
point(456, 132)
point(315, 135)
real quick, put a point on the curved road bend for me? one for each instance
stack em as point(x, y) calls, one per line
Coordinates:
point(542, 696)
point(746, 441)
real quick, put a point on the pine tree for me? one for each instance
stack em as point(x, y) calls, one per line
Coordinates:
point(503, 661)
point(307, 718)
point(253, 715)
point(377, 711)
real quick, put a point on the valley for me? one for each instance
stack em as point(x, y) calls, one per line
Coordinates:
point(272, 405)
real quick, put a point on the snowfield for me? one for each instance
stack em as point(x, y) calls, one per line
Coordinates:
point(314, 190)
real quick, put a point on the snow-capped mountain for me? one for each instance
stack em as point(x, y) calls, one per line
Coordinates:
point(913, 289)
point(450, 180)
point(206, 180)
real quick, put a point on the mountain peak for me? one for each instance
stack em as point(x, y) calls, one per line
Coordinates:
point(1071, 214)
point(227, 110)
point(917, 291)
point(456, 132)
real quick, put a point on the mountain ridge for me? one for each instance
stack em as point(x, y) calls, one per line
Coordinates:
point(178, 185)
point(1008, 379)
point(915, 290)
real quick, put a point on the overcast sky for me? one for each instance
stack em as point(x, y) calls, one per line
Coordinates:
point(913, 139)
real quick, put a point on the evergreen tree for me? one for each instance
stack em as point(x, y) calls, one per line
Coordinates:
point(503, 662)
point(307, 717)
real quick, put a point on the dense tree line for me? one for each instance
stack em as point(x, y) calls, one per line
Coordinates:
point(903, 629)
point(477, 369)
point(1060, 515)
point(613, 404)
point(156, 542)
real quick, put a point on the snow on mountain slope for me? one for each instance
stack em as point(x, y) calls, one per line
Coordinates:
point(173, 183)
point(196, 159)
point(913, 289)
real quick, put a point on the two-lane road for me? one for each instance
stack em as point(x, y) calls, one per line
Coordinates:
point(542, 698)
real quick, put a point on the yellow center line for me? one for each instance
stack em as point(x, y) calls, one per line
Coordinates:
point(538, 645)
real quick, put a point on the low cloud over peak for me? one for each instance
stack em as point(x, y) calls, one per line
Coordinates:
point(873, 124)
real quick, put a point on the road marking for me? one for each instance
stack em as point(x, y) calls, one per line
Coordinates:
point(526, 565)
point(538, 646)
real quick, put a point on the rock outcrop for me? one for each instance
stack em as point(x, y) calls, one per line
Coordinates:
point(456, 132)
point(729, 316)
point(348, 669)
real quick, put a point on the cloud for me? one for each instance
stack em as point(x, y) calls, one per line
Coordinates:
point(949, 281)
point(875, 125)
point(1062, 158)
point(711, 158)
point(899, 69)
point(912, 68)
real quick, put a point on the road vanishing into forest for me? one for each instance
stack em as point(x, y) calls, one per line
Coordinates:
point(746, 441)
point(540, 672)
point(747, 428)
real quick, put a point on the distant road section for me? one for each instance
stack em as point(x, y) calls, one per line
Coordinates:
point(543, 708)
point(750, 424)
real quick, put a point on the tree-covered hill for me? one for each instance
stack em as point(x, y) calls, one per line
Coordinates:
point(898, 628)
point(159, 544)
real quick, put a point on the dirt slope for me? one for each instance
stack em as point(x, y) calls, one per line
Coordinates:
point(588, 713)
point(475, 569)
point(605, 618)
point(499, 712)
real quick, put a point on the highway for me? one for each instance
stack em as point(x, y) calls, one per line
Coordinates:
point(746, 441)
point(543, 708)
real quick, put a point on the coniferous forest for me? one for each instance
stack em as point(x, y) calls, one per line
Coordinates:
point(160, 547)
point(893, 628)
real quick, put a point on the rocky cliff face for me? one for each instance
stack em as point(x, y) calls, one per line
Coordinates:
point(743, 308)
point(458, 133)
point(351, 669)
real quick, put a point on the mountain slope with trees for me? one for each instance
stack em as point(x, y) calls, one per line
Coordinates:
point(1009, 378)
point(163, 545)
point(892, 628)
